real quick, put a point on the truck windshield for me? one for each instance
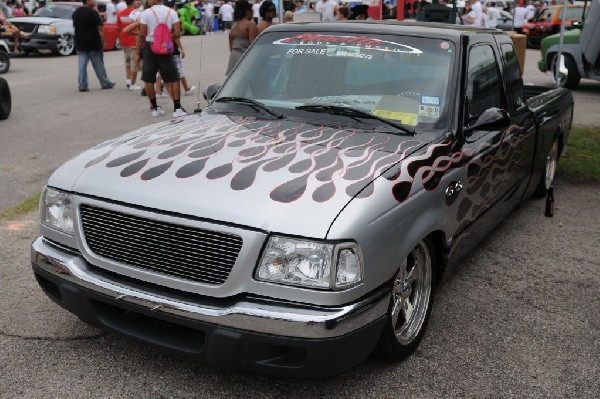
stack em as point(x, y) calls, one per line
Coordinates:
point(401, 78)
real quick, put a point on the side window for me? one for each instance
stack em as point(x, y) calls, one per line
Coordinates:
point(484, 88)
point(516, 93)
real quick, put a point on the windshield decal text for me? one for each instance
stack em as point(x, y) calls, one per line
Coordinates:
point(362, 42)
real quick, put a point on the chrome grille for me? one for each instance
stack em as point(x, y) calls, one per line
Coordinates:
point(175, 250)
point(26, 27)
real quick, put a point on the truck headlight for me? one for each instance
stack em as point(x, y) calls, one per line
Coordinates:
point(56, 210)
point(308, 263)
point(47, 29)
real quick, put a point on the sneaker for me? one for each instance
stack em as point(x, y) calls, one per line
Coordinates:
point(190, 91)
point(135, 87)
point(158, 111)
point(179, 112)
point(109, 86)
point(163, 95)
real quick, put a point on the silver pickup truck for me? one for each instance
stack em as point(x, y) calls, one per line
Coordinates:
point(304, 218)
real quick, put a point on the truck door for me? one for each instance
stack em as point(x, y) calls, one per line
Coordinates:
point(493, 182)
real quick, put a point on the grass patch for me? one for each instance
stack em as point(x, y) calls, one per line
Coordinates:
point(582, 158)
point(21, 209)
point(7, 168)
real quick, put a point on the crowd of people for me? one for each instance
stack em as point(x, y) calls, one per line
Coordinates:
point(487, 15)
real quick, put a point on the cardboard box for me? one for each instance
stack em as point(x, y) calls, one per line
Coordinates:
point(520, 43)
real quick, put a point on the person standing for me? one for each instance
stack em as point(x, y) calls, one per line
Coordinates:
point(531, 11)
point(329, 9)
point(242, 34)
point(153, 63)
point(209, 15)
point(111, 12)
point(255, 14)
point(519, 17)
point(128, 42)
point(267, 13)
point(478, 9)
point(226, 15)
point(89, 42)
point(493, 15)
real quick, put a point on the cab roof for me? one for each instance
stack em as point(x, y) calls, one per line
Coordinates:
point(430, 29)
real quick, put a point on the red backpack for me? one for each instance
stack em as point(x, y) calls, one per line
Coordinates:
point(163, 39)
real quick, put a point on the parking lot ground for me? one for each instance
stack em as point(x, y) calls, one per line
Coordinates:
point(518, 318)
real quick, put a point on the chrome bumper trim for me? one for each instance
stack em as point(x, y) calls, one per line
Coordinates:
point(270, 317)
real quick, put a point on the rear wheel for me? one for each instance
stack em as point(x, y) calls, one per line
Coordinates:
point(571, 80)
point(410, 305)
point(4, 62)
point(5, 99)
point(549, 171)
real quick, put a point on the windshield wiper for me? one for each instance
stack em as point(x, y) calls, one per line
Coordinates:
point(352, 112)
point(251, 102)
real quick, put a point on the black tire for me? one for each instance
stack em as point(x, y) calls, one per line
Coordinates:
point(410, 304)
point(571, 81)
point(5, 99)
point(549, 171)
point(65, 46)
point(4, 62)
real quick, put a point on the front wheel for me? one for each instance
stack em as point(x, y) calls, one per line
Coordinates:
point(571, 80)
point(410, 305)
point(66, 45)
point(549, 171)
point(5, 99)
point(4, 62)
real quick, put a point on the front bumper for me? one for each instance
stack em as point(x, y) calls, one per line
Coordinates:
point(39, 42)
point(259, 334)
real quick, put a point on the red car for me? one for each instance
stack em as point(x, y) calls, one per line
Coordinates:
point(51, 28)
point(548, 22)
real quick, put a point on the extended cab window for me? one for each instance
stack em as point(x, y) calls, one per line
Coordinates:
point(513, 77)
point(484, 87)
point(400, 78)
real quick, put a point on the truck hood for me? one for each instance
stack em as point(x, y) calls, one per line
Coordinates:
point(276, 175)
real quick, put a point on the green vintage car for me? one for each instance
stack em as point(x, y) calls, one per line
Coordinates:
point(581, 51)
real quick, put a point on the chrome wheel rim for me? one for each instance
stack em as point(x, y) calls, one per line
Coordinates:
point(551, 161)
point(561, 80)
point(65, 44)
point(411, 293)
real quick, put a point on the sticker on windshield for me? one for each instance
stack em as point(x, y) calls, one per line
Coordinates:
point(359, 42)
point(430, 111)
point(342, 51)
point(402, 117)
point(363, 102)
point(429, 100)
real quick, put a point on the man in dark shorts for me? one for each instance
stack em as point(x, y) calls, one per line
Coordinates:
point(154, 63)
point(89, 42)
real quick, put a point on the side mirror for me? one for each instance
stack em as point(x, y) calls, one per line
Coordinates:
point(210, 91)
point(490, 119)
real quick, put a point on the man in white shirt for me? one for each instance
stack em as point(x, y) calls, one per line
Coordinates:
point(111, 12)
point(255, 13)
point(209, 14)
point(493, 15)
point(329, 10)
point(478, 10)
point(531, 11)
point(121, 5)
point(153, 63)
point(519, 17)
point(226, 15)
